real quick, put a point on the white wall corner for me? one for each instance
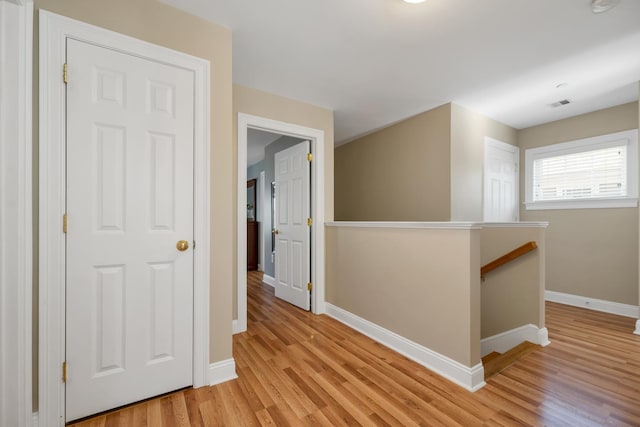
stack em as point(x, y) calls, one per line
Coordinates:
point(471, 378)
point(222, 371)
point(269, 280)
point(507, 340)
point(610, 307)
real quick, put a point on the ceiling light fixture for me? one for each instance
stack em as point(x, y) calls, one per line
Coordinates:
point(414, 1)
point(599, 6)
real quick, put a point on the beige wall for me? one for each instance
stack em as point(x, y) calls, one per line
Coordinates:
point(468, 131)
point(590, 252)
point(266, 105)
point(400, 173)
point(163, 25)
point(426, 168)
point(422, 284)
point(512, 295)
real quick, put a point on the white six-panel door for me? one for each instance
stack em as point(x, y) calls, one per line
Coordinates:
point(292, 178)
point(129, 290)
point(501, 170)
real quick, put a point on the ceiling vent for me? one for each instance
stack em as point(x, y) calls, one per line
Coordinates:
point(560, 103)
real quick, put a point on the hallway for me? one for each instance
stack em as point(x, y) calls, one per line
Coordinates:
point(296, 368)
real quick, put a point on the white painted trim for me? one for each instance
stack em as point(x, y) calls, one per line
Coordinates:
point(222, 371)
point(34, 420)
point(505, 341)
point(452, 225)
point(490, 143)
point(471, 378)
point(16, 189)
point(623, 202)
point(234, 327)
point(611, 307)
point(262, 185)
point(519, 224)
point(271, 281)
point(54, 30)
point(403, 224)
point(637, 331)
point(316, 136)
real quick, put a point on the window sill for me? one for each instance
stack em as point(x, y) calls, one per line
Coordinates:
point(627, 202)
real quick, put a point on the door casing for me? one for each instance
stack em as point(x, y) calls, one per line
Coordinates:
point(316, 136)
point(54, 30)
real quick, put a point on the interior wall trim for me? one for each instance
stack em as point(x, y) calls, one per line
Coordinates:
point(505, 341)
point(16, 229)
point(269, 280)
point(471, 378)
point(222, 371)
point(611, 307)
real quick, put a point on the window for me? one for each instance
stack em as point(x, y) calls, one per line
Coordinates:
point(599, 172)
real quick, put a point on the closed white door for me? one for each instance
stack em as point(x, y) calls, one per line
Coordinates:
point(293, 251)
point(501, 170)
point(129, 290)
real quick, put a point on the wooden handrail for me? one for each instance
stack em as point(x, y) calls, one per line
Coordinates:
point(516, 253)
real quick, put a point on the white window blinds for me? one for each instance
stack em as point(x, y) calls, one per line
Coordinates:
point(599, 173)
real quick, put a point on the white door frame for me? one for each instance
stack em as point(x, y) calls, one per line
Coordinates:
point(494, 143)
point(16, 249)
point(316, 136)
point(260, 217)
point(54, 30)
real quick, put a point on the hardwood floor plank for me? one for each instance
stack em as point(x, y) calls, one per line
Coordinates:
point(299, 369)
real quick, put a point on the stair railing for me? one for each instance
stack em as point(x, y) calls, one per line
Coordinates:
point(508, 257)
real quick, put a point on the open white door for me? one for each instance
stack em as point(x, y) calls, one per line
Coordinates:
point(501, 170)
point(292, 269)
point(129, 289)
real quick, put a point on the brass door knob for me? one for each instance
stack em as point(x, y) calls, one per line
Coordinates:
point(276, 231)
point(182, 245)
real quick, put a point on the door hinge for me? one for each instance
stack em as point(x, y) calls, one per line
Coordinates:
point(309, 156)
point(65, 73)
point(64, 372)
point(64, 223)
point(309, 286)
point(309, 222)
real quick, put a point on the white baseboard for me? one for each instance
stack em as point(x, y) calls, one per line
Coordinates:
point(505, 341)
point(235, 327)
point(222, 371)
point(471, 378)
point(593, 304)
point(637, 331)
point(271, 281)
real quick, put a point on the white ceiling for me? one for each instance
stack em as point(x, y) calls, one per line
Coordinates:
point(376, 62)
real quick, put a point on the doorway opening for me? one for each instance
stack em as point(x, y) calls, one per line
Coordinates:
point(249, 125)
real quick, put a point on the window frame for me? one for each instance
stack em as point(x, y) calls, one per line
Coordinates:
point(579, 146)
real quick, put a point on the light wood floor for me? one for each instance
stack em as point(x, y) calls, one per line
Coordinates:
point(299, 369)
